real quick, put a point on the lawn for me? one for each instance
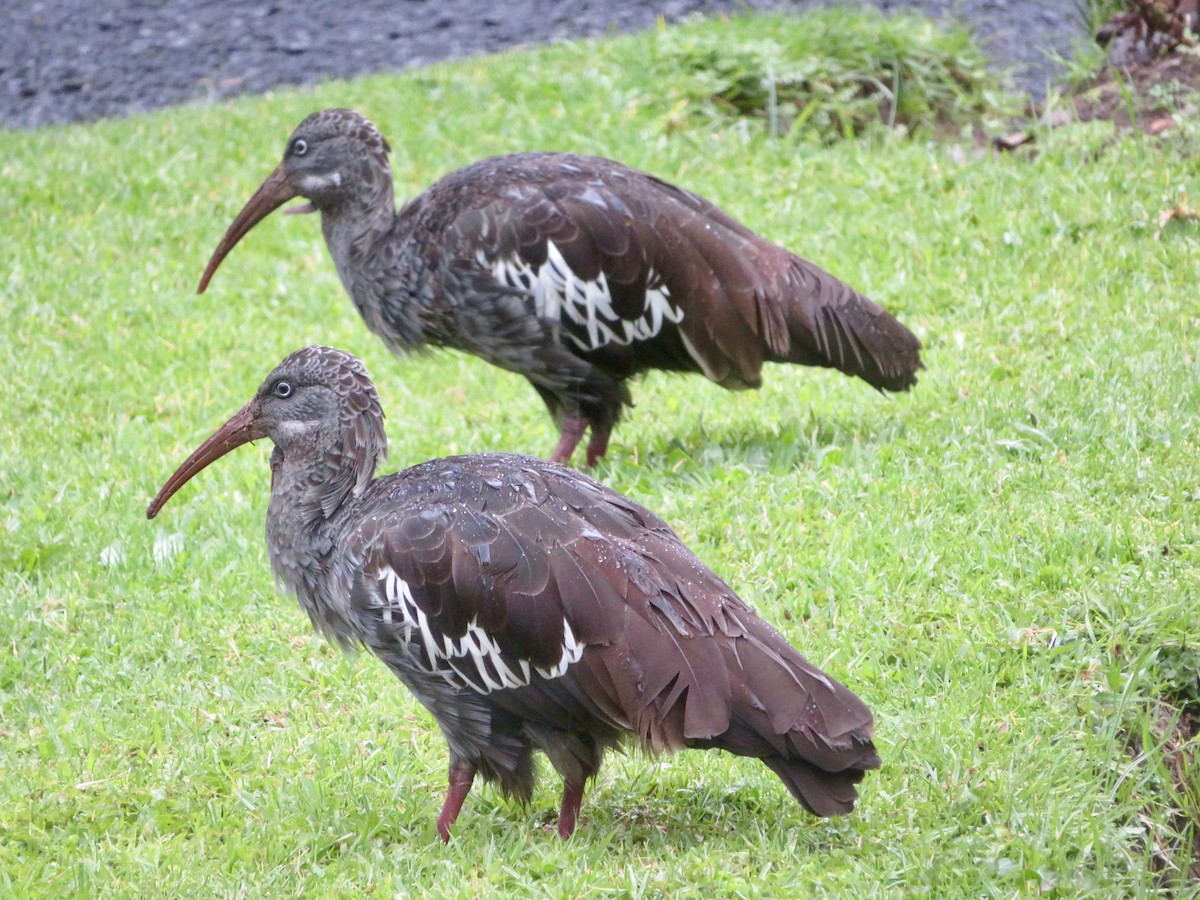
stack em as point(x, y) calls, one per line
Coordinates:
point(1003, 563)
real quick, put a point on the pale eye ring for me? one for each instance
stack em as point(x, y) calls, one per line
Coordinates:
point(283, 389)
point(299, 146)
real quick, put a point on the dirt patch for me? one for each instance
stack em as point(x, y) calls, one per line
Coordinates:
point(1149, 94)
point(1153, 71)
point(1170, 741)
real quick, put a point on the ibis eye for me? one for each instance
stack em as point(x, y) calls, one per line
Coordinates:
point(283, 389)
point(299, 146)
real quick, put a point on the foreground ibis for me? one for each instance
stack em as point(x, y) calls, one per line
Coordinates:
point(576, 272)
point(527, 606)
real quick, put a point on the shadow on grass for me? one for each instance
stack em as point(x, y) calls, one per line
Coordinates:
point(775, 447)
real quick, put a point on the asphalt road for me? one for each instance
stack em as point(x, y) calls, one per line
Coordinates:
point(80, 60)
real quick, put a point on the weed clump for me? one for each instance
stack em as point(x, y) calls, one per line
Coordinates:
point(829, 74)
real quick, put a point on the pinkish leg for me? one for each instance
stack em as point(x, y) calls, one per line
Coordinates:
point(572, 798)
point(597, 446)
point(570, 434)
point(461, 778)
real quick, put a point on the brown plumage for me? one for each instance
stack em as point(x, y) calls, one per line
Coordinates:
point(576, 272)
point(527, 606)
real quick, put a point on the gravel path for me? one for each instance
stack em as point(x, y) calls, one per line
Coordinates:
point(78, 60)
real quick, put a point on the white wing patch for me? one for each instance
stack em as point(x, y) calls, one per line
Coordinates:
point(473, 660)
point(562, 295)
point(399, 599)
point(572, 650)
point(705, 366)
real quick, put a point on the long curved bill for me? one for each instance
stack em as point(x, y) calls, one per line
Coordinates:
point(242, 428)
point(271, 194)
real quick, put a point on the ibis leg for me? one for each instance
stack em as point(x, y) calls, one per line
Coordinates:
point(569, 812)
point(598, 445)
point(571, 429)
point(462, 775)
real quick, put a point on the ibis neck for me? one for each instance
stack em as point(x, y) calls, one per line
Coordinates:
point(314, 482)
point(309, 502)
point(381, 261)
point(308, 493)
point(355, 224)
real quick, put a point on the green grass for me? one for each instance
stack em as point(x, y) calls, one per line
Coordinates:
point(1003, 563)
